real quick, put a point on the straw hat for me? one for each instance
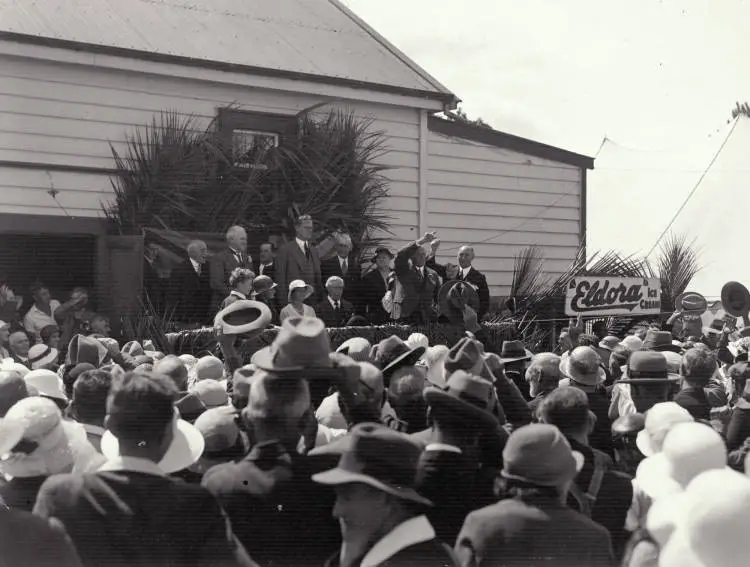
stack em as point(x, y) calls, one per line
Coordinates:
point(299, 284)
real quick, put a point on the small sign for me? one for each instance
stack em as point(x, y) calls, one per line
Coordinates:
point(613, 296)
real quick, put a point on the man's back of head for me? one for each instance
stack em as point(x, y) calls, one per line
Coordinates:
point(698, 366)
point(277, 408)
point(567, 408)
point(90, 394)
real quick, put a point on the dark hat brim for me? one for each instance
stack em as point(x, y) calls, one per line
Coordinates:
point(670, 379)
point(448, 309)
point(663, 348)
point(406, 359)
point(528, 356)
point(339, 476)
point(440, 400)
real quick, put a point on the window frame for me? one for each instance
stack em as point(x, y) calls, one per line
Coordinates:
point(284, 126)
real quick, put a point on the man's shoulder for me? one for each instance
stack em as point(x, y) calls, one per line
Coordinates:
point(243, 477)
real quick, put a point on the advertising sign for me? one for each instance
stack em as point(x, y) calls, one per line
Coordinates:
point(613, 296)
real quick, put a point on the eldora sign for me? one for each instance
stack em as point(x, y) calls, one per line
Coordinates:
point(613, 296)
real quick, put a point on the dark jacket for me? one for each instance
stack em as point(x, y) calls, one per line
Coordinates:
point(449, 480)
point(278, 513)
point(417, 304)
point(291, 264)
point(614, 497)
point(20, 493)
point(332, 317)
point(475, 278)
point(220, 268)
point(695, 401)
point(332, 267)
point(601, 436)
point(372, 288)
point(269, 271)
point(392, 553)
point(134, 518)
point(739, 425)
point(190, 293)
point(29, 541)
point(534, 531)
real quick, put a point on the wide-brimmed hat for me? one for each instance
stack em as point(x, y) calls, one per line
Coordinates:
point(513, 351)
point(86, 349)
point(609, 342)
point(41, 355)
point(659, 341)
point(262, 284)
point(299, 284)
point(381, 250)
point(466, 396)
point(11, 432)
point(393, 353)
point(242, 317)
point(186, 447)
point(628, 425)
point(378, 457)
point(219, 429)
point(47, 384)
point(540, 454)
point(583, 366)
point(454, 296)
point(465, 355)
point(735, 299)
point(659, 420)
point(10, 365)
point(648, 367)
point(302, 345)
point(689, 449)
point(357, 348)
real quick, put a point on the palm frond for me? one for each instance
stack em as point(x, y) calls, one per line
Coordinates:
point(677, 265)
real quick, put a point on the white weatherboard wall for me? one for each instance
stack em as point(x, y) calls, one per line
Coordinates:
point(68, 114)
point(477, 192)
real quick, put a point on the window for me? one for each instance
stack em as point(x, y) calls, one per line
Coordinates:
point(251, 134)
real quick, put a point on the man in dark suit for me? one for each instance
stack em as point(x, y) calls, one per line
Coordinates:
point(419, 284)
point(190, 285)
point(129, 512)
point(373, 287)
point(277, 512)
point(153, 288)
point(342, 265)
point(266, 256)
point(467, 273)
point(222, 263)
point(299, 259)
point(334, 310)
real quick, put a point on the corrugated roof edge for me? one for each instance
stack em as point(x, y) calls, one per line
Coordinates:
point(447, 98)
point(405, 59)
point(493, 137)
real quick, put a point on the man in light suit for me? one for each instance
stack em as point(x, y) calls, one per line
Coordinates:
point(222, 264)
point(467, 273)
point(418, 282)
point(299, 259)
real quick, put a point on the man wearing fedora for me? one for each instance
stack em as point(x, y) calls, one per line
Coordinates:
point(382, 516)
point(459, 414)
point(130, 512)
point(418, 282)
point(466, 272)
point(534, 526)
point(515, 357)
point(299, 259)
point(374, 286)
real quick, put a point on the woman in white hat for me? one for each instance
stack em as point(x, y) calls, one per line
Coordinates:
point(299, 291)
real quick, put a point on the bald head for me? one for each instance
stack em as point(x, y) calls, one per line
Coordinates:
point(237, 238)
point(198, 251)
point(176, 370)
point(465, 256)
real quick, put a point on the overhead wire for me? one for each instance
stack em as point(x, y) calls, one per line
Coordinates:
point(695, 187)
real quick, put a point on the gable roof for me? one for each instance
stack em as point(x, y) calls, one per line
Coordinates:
point(492, 137)
point(318, 40)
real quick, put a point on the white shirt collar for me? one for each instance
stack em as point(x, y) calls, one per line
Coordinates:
point(342, 260)
point(196, 265)
point(465, 271)
point(411, 532)
point(332, 302)
point(132, 464)
point(443, 447)
point(301, 243)
point(238, 294)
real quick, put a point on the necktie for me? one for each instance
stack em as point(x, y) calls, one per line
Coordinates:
point(238, 257)
point(307, 251)
point(336, 305)
point(344, 266)
point(198, 269)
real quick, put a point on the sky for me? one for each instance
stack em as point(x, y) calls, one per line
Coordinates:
point(657, 79)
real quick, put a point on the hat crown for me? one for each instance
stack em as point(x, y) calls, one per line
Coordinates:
point(39, 417)
point(539, 454)
point(656, 338)
point(645, 364)
point(464, 355)
point(302, 341)
point(383, 454)
point(471, 389)
point(262, 283)
point(512, 349)
point(585, 360)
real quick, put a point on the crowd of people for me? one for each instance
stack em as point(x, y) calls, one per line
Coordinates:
point(610, 451)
